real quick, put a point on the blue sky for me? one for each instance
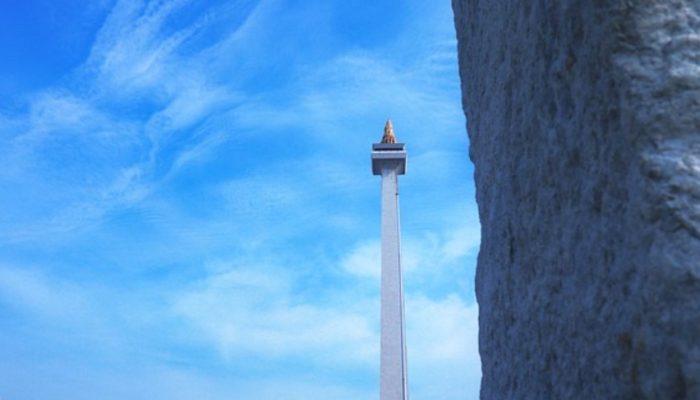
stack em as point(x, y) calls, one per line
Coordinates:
point(188, 209)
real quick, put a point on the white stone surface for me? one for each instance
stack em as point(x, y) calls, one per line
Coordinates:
point(584, 125)
point(393, 373)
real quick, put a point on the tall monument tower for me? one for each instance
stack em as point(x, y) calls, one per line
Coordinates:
point(389, 161)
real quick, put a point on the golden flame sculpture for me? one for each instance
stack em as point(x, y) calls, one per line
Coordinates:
point(389, 136)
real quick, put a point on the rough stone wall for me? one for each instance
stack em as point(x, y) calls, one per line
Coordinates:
point(584, 121)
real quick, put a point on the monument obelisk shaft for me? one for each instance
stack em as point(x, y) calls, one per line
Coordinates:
point(389, 161)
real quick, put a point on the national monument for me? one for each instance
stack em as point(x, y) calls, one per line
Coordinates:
point(389, 161)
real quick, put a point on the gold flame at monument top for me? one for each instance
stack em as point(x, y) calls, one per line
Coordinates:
point(389, 136)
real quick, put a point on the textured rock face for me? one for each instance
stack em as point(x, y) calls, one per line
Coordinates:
point(584, 120)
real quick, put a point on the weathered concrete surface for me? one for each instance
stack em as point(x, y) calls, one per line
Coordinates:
point(584, 120)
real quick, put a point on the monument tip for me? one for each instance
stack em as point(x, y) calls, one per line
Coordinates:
point(389, 136)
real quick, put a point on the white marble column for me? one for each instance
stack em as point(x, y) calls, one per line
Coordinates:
point(393, 344)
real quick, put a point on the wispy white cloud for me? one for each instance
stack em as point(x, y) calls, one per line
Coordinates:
point(257, 313)
point(443, 331)
point(364, 260)
point(443, 355)
point(132, 51)
point(253, 311)
point(64, 316)
point(258, 310)
point(127, 119)
point(420, 255)
point(462, 242)
point(31, 291)
point(24, 379)
point(361, 83)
